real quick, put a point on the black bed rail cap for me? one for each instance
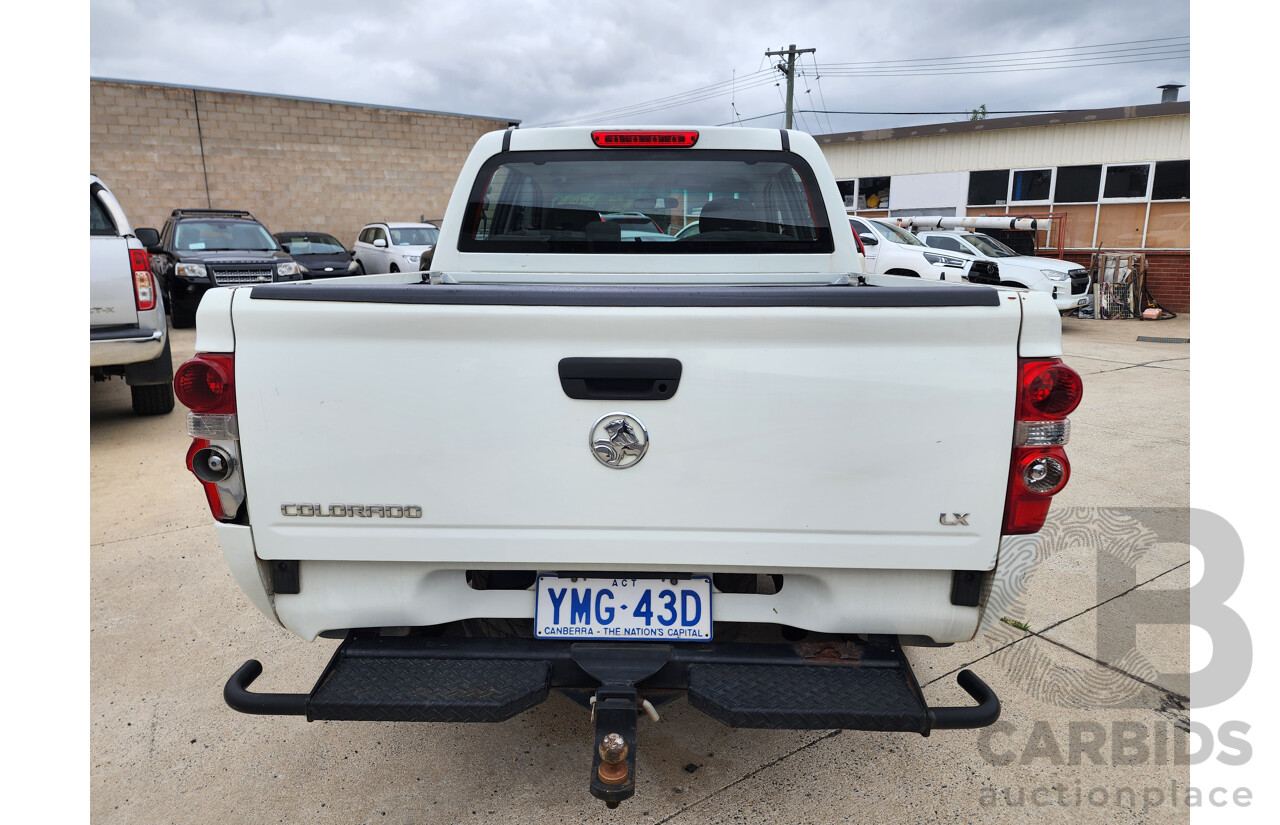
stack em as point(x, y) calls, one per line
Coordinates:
point(632, 295)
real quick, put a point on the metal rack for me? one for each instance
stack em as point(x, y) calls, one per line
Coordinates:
point(1118, 279)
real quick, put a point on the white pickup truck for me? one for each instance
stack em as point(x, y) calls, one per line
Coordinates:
point(891, 250)
point(730, 466)
point(1065, 282)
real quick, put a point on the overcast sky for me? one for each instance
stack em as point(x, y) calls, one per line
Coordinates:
point(606, 62)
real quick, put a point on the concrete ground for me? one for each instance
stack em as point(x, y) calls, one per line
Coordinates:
point(1093, 707)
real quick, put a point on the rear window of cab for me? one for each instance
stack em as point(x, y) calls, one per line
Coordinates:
point(731, 202)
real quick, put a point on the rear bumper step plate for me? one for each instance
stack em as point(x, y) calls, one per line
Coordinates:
point(377, 688)
point(823, 685)
point(815, 697)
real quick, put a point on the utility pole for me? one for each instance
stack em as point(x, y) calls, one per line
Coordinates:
point(790, 68)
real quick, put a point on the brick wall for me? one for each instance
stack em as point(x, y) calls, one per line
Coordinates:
point(295, 164)
point(1168, 275)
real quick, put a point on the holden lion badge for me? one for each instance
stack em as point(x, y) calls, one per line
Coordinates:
point(619, 440)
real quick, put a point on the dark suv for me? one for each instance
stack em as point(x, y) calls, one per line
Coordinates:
point(204, 248)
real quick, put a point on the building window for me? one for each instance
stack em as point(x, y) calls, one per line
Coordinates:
point(990, 187)
point(1032, 184)
point(1127, 181)
point(873, 193)
point(848, 192)
point(1078, 184)
point(1172, 181)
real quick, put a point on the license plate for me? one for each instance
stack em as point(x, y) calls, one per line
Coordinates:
point(626, 609)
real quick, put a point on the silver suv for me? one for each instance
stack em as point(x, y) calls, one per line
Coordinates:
point(393, 247)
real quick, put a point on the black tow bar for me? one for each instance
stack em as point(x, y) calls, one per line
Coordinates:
point(616, 707)
point(822, 685)
point(237, 695)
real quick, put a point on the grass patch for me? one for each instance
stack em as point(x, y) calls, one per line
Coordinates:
point(1016, 623)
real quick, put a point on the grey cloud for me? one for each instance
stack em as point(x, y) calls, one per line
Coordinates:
point(542, 61)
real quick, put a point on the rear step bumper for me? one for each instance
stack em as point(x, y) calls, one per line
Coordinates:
point(823, 686)
point(817, 686)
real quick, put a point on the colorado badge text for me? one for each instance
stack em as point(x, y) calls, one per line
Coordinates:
point(351, 510)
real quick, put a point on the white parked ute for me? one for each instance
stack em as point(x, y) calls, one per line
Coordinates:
point(1065, 282)
point(729, 466)
point(891, 250)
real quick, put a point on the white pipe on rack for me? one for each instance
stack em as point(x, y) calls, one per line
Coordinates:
point(935, 222)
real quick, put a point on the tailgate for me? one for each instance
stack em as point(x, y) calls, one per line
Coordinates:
point(800, 434)
point(111, 300)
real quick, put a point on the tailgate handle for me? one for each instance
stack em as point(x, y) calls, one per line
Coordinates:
point(620, 379)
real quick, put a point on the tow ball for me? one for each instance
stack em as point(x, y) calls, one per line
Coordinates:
point(613, 768)
point(613, 764)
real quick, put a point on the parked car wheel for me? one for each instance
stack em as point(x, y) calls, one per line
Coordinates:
point(359, 268)
point(395, 268)
point(152, 399)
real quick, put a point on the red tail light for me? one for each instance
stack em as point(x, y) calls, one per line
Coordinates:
point(207, 384)
point(645, 139)
point(1048, 390)
point(210, 488)
point(144, 285)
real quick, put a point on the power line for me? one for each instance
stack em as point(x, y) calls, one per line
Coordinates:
point(967, 112)
point(733, 100)
point(644, 108)
point(695, 95)
point(1006, 65)
point(914, 67)
point(757, 117)
point(1007, 54)
point(817, 79)
point(912, 114)
point(963, 71)
point(700, 93)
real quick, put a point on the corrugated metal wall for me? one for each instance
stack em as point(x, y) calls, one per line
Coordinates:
point(1113, 141)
